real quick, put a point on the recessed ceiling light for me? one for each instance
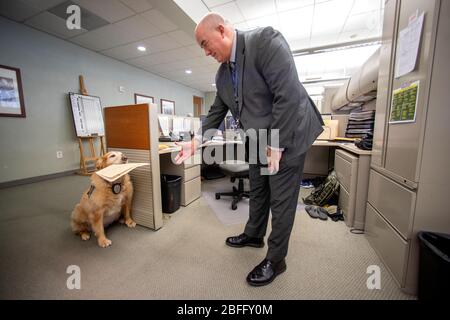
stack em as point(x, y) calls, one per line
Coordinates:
point(213, 84)
point(142, 48)
point(188, 71)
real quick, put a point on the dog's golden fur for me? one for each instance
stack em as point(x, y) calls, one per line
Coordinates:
point(99, 206)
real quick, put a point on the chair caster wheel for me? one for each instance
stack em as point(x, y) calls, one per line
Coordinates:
point(217, 196)
point(233, 206)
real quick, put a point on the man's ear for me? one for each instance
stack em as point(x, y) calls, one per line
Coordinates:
point(221, 29)
point(101, 163)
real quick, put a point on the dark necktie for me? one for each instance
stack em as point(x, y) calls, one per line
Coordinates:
point(234, 79)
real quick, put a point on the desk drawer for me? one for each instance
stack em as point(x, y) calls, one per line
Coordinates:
point(190, 191)
point(195, 160)
point(346, 167)
point(191, 173)
point(347, 207)
point(388, 244)
point(393, 201)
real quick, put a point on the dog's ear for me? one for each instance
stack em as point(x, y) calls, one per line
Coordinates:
point(101, 163)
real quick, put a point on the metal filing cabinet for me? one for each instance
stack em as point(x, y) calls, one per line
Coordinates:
point(352, 170)
point(410, 178)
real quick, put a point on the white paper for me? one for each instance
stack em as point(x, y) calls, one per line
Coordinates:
point(177, 124)
point(187, 125)
point(115, 171)
point(408, 47)
point(164, 125)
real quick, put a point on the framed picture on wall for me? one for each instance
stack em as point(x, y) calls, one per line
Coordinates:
point(167, 107)
point(140, 98)
point(11, 94)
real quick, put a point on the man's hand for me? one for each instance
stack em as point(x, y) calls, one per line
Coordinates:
point(187, 150)
point(273, 159)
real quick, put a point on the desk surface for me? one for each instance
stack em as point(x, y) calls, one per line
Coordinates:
point(318, 143)
point(174, 148)
point(344, 145)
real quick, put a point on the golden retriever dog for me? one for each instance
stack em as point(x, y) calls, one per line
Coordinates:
point(103, 203)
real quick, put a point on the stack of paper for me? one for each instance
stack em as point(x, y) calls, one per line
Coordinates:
point(115, 171)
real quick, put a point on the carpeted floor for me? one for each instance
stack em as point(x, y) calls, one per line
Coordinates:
point(186, 259)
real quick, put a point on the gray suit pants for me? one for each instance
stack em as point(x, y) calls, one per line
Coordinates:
point(278, 194)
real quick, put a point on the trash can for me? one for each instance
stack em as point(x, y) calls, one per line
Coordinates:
point(434, 266)
point(170, 193)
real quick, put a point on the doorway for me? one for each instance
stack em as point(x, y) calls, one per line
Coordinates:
point(198, 102)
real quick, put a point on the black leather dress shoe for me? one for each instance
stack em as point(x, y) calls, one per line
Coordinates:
point(243, 240)
point(265, 272)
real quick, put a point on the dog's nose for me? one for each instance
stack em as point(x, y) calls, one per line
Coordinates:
point(124, 158)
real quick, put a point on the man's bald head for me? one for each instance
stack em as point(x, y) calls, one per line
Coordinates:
point(215, 36)
point(210, 22)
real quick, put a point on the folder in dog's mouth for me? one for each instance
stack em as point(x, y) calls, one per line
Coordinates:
point(115, 171)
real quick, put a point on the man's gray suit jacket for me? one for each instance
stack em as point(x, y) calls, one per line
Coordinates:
point(270, 95)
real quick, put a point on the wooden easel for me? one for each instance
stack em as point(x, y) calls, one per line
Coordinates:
point(84, 161)
point(84, 169)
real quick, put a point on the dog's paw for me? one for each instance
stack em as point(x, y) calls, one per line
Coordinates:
point(85, 236)
point(104, 242)
point(130, 223)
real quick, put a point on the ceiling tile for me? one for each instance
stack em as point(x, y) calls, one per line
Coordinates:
point(242, 26)
point(299, 44)
point(125, 52)
point(158, 19)
point(324, 39)
point(52, 24)
point(195, 9)
point(230, 12)
point(265, 21)
point(284, 5)
point(89, 20)
point(195, 50)
point(103, 38)
point(137, 28)
point(137, 5)
point(370, 21)
point(213, 3)
point(297, 24)
point(361, 6)
point(160, 43)
point(252, 9)
point(110, 10)
point(329, 17)
point(182, 37)
point(18, 10)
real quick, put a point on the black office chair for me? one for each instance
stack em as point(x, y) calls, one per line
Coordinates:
point(235, 169)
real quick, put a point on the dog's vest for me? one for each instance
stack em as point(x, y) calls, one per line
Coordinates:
point(116, 188)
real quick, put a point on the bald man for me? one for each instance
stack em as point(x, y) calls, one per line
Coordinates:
point(257, 81)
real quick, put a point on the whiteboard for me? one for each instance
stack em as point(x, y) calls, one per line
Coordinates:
point(87, 115)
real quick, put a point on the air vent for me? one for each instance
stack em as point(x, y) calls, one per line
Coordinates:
point(89, 21)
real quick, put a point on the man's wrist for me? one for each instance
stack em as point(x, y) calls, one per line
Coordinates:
point(276, 149)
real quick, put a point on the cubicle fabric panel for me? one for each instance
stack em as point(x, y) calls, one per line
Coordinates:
point(128, 127)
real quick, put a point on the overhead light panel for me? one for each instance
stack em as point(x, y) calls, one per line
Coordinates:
point(142, 48)
point(188, 71)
